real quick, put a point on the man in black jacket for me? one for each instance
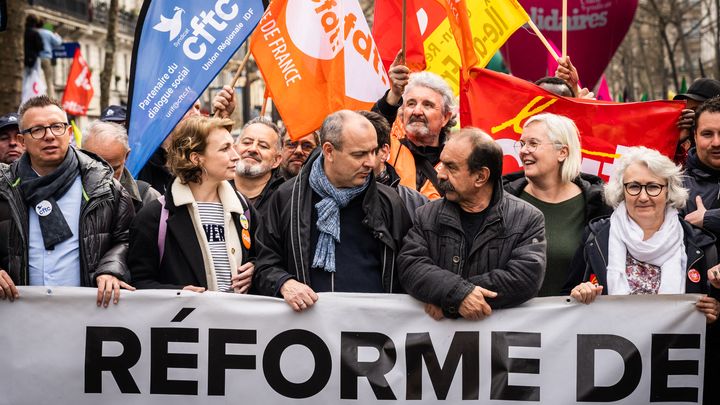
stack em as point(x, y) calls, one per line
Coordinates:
point(477, 248)
point(332, 227)
point(703, 169)
point(63, 218)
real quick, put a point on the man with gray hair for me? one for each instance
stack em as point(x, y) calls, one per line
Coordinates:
point(332, 227)
point(427, 107)
point(256, 174)
point(478, 248)
point(110, 141)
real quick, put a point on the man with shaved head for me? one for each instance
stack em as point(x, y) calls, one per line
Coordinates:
point(477, 248)
point(332, 227)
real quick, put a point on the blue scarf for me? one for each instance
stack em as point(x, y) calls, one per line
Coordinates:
point(328, 211)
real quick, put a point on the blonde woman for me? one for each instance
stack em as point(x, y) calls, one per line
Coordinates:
point(549, 149)
point(200, 236)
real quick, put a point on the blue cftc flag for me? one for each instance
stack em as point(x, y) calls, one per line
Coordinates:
point(180, 46)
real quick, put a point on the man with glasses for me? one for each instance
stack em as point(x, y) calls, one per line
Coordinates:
point(64, 219)
point(256, 173)
point(10, 147)
point(478, 248)
point(295, 153)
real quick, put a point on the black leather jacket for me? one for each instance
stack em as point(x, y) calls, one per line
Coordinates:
point(105, 217)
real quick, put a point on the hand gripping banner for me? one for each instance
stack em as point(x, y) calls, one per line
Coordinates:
point(180, 46)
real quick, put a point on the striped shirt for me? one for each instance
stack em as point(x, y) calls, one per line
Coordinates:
point(213, 223)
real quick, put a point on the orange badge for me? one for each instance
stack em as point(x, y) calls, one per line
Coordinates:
point(694, 275)
point(246, 238)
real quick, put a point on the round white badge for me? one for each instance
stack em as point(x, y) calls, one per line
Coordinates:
point(44, 208)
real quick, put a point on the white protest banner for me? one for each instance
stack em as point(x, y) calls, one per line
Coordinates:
point(171, 347)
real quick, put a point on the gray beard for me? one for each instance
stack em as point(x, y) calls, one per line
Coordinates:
point(251, 170)
point(418, 130)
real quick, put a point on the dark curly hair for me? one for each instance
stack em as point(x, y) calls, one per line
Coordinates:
point(189, 136)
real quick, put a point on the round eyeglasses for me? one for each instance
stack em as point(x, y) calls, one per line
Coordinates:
point(530, 146)
point(39, 131)
point(651, 189)
point(306, 147)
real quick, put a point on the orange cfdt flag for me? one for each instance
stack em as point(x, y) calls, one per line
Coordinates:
point(317, 58)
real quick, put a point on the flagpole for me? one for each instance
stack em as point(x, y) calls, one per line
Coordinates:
point(404, 18)
point(240, 68)
point(238, 73)
point(543, 39)
point(264, 106)
point(564, 28)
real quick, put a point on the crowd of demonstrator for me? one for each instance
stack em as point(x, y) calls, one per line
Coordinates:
point(353, 208)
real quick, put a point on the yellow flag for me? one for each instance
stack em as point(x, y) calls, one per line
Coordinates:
point(491, 22)
point(76, 134)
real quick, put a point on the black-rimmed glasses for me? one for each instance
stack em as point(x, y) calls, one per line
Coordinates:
point(306, 147)
point(652, 189)
point(39, 131)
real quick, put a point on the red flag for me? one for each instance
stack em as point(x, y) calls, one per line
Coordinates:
point(79, 90)
point(423, 17)
point(500, 104)
point(387, 31)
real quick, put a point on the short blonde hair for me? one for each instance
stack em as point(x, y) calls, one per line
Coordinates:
point(659, 164)
point(562, 131)
point(189, 136)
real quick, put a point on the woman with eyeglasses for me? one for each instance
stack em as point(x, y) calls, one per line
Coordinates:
point(549, 150)
point(645, 247)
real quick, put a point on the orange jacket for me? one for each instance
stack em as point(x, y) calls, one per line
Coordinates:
point(404, 163)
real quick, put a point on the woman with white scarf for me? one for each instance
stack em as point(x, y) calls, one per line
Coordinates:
point(645, 247)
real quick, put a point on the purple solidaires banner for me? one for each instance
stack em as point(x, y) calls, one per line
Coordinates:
point(595, 30)
point(180, 46)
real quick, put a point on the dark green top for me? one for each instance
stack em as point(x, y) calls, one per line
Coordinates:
point(564, 224)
